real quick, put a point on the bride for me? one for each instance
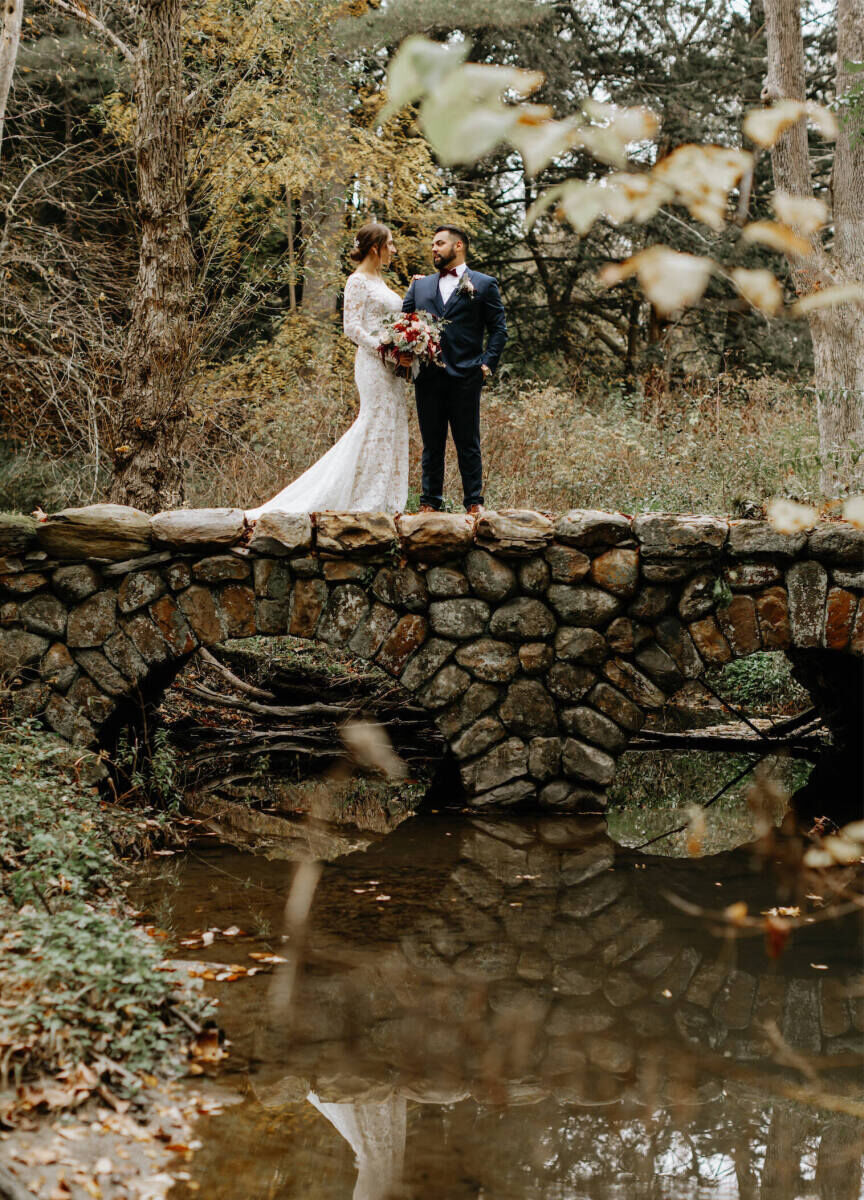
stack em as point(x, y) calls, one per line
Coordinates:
point(367, 469)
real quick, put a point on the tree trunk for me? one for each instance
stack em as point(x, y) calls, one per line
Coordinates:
point(837, 333)
point(10, 36)
point(148, 469)
point(790, 156)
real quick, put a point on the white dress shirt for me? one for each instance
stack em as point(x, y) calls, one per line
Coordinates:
point(447, 284)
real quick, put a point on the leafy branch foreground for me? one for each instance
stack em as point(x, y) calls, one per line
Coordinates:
point(81, 997)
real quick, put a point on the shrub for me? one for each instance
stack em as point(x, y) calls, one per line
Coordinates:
point(78, 980)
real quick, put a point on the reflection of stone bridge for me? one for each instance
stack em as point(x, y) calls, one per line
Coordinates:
point(534, 992)
point(537, 646)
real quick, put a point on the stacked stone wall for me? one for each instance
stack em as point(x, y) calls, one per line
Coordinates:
point(537, 645)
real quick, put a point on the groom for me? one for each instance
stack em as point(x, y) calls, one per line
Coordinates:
point(471, 305)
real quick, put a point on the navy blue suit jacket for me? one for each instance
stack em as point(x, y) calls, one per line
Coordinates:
point(469, 319)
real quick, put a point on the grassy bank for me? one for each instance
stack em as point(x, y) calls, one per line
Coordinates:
point(709, 444)
point(83, 1005)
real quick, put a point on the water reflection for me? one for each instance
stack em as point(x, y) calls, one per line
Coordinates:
point(515, 1009)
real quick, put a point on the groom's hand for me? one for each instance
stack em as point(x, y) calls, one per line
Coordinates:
point(486, 369)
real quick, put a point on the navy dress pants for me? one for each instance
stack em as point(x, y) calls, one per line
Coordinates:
point(449, 401)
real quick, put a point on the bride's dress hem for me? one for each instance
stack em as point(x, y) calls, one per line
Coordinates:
point(367, 469)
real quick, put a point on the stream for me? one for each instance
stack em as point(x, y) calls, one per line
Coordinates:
point(512, 1008)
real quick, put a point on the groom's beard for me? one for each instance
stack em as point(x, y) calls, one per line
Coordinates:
point(442, 260)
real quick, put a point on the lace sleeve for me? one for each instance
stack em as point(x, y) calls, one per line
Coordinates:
point(354, 320)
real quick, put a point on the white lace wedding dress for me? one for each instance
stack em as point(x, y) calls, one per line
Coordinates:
point(367, 469)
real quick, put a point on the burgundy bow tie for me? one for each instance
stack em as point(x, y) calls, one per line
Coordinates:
point(449, 271)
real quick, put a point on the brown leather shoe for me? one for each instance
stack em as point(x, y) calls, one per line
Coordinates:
point(475, 510)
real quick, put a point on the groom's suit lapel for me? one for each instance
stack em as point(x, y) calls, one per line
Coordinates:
point(457, 294)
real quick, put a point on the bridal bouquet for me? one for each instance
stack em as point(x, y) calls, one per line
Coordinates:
point(417, 334)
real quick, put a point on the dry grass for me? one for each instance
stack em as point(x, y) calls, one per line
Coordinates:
point(708, 446)
point(696, 444)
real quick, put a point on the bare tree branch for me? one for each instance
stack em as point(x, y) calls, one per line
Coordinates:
point(84, 14)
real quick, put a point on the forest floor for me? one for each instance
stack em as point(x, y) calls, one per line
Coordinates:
point(93, 1030)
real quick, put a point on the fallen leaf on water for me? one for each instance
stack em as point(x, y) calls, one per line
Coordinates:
point(383, 896)
point(776, 935)
point(855, 829)
point(267, 958)
point(819, 966)
point(736, 913)
point(695, 830)
point(842, 849)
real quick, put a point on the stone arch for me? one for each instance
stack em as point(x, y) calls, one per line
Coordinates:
point(536, 645)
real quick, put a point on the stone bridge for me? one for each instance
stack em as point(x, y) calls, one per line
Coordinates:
point(537, 645)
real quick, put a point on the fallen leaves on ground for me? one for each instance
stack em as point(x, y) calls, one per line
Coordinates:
point(100, 1153)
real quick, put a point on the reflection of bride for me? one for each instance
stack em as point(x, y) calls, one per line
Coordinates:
point(376, 1134)
point(367, 469)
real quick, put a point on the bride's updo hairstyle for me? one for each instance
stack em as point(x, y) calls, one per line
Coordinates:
point(371, 236)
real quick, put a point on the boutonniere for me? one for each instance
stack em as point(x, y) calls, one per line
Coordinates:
point(465, 287)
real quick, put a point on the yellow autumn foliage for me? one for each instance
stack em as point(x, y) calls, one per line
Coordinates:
point(282, 139)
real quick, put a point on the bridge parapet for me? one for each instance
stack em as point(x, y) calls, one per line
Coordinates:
point(537, 644)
